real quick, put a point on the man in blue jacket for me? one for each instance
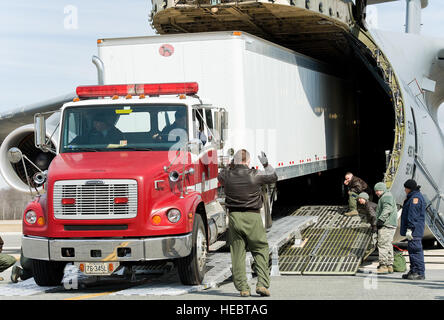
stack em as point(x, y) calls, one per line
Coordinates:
point(412, 227)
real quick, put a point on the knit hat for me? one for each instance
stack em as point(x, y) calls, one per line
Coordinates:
point(364, 195)
point(380, 186)
point(411, 184)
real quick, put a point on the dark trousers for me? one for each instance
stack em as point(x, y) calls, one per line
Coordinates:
point(416, 256)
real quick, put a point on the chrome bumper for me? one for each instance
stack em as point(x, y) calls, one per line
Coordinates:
point(84, 250)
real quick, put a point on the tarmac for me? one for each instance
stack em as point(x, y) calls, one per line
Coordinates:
point(365, 285)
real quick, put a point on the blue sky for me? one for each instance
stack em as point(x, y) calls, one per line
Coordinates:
point(42, 57)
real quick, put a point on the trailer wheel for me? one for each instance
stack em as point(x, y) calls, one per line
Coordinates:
point(48, 273)
point(192, 268)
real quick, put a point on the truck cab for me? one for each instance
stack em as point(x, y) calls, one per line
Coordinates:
point(134, 180)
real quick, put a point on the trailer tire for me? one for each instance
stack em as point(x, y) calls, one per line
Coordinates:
point(48, 273)
point(192, 268)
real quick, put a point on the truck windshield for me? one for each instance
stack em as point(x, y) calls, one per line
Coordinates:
point(137, 127)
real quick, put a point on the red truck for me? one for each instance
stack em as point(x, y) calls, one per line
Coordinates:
point(119, 195)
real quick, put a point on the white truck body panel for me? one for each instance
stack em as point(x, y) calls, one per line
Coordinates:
point(283, 103)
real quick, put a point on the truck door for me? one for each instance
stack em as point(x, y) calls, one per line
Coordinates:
point(207, 168)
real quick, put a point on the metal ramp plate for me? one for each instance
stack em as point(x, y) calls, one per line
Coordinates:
point(283, 230)
point(335, 245)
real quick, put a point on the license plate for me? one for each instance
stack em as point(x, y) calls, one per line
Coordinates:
point(98, 268)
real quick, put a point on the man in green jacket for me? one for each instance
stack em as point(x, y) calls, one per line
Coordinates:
point(243, 198)
point(6, 260)
point(386, 222)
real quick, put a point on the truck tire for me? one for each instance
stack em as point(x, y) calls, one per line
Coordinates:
point(192, 268)
point(48, 273)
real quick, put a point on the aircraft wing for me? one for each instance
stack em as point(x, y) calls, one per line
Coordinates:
point(12, 119)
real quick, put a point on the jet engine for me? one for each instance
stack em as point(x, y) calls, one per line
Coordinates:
point(17, 174)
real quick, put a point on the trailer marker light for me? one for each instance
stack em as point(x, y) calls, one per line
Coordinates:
point(115, 97)
point(128, 96)
point(76, 99)
point(68, 201)
point(121, 200)
point(237, 33)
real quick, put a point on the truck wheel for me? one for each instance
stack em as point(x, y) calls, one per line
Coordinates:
point(192, 268)
point(48, 273)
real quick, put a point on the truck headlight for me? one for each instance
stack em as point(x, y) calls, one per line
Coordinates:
point(173, 215)
point(31, 217)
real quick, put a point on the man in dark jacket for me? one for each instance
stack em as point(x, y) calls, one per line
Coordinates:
point(243, 199)
point(412, 227)
point(355, 187)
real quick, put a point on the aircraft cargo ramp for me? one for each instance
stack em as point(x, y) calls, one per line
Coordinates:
point(335, 245)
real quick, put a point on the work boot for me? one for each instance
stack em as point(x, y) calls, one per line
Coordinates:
point(16, 273)
point(406, 275)
point(1, 278)
point(351, 213)
point(390, 269)
point(245, 293)
point(415, 276)
point(264, 292)
point(382, 270)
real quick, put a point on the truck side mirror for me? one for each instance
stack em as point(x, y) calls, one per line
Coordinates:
point(221, 125)
point(195, 146)
point(40, 132)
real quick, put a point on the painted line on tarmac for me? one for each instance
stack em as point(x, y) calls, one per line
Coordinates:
point(158, 290)
point(89, 296)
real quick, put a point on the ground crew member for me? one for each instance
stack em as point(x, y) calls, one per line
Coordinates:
point(386, 222)
point(368, 208)
point(6, 260)
point(24, 272)
point(355, 187)
point(243, 198)
point(412, 226)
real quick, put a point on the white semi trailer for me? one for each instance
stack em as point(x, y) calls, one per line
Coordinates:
point(297, 109)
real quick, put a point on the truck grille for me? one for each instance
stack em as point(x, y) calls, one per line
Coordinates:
point(95, 199)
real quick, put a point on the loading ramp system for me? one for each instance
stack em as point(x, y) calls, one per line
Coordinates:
point(335, 245)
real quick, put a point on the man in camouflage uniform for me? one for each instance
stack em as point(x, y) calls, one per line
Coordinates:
point(6, 260)
point(386, 223)
point(355, 187)
point(367, 208)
